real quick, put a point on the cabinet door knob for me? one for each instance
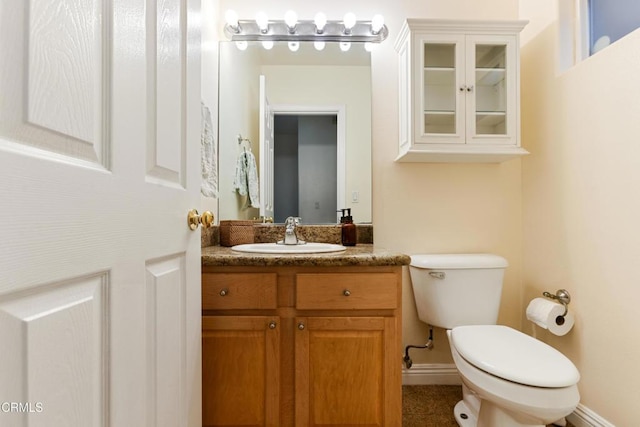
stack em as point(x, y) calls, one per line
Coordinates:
point(301, 326)
point(272, 325)
point(346, 292)
point(224, 292)
point(462, 88)
point(470, 88)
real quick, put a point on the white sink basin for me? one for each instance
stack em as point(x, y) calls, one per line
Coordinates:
point(274, 248)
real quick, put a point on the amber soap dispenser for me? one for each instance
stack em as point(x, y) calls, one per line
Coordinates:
point(349, 236)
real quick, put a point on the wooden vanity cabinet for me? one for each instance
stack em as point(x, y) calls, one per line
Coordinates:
point(240, 350)
point(335, 347)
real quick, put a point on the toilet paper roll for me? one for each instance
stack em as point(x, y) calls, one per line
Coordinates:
point(548, 315)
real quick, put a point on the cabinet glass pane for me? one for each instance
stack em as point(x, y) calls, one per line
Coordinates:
point(439, 97)
point(491, 89)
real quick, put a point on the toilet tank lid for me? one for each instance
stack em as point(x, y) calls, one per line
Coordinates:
point(458, 261)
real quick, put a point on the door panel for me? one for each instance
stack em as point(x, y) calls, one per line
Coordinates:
point(57, 334)
point(166, 340)
point(46, 46)
point(99, 164)
point(167, 140)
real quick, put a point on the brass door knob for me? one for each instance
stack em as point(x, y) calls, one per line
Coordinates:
point(194, 219)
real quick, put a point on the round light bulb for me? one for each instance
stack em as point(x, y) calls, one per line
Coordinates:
point(262, 20)
point(291, 19)
point(349, 20)
point(294, 46)
point(320, 20)
point(345, 46)
point(232, 18)
point(267, 44)
point(242, 45)
point(369, 47)
point(319, 45)
point(377, 23)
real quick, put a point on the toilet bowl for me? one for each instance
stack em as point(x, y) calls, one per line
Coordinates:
point(518, 380)
point(509, 378)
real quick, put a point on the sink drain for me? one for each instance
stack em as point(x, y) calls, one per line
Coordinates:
point(464, 416)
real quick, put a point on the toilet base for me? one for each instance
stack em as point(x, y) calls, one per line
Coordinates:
point(464, 417)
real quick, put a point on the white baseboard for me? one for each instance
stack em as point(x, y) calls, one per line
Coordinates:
point(585, 417)
point(447, 374)
point(431, 374)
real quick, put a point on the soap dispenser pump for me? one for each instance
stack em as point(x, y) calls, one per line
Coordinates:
point(349, 236)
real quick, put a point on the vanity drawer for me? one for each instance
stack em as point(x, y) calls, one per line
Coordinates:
point(353, 291)
point(227, 291)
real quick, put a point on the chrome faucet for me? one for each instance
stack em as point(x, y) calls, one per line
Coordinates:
point(290, 236)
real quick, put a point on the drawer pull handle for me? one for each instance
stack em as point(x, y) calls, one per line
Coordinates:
point(301, 326)
point(272, 325)
point(224, 292)
point(346, 292)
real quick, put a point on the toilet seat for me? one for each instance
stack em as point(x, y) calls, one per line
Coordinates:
point(513, 356)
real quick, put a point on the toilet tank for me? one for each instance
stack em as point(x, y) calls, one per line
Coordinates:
point(457, 289)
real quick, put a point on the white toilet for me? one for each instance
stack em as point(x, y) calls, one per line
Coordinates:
point(509, 378)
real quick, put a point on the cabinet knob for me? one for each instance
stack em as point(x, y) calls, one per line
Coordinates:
point(470, 88)
point(462, 88)
point(346, 292)
point(272, 325)
point(301, 326)
point(224, 292)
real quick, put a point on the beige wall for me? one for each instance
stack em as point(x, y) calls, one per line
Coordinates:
point(581, 193)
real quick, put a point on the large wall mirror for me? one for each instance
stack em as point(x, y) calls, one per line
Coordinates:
point(320, 103)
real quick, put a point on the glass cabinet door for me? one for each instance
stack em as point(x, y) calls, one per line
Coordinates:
point(491, 82)
point(439, 97)
point(491, 106)
point(441, 70)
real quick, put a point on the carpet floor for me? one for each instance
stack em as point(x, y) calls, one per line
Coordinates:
point(431, 405)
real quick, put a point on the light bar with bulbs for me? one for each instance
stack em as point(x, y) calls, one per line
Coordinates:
point(347, 30)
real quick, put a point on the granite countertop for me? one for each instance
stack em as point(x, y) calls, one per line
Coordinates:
point(360, 255)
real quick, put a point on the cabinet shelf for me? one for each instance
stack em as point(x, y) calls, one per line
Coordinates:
point(490, 118)
point(439, 76)
point(490, 76)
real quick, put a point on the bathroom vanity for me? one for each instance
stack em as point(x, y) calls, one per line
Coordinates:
point(305, 339)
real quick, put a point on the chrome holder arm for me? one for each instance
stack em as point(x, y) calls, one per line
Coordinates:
point(562, 296)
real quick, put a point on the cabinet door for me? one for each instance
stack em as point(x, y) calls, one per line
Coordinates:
point(347, 372)
point(240, 371)
point(491, 76)
point(439, 89)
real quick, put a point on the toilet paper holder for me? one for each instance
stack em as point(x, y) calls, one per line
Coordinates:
point(563, 297)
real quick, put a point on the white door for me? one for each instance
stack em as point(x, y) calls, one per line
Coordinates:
point(99, 164)
point(266, 152)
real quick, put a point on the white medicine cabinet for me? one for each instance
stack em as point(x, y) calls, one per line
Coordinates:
point(459, 91)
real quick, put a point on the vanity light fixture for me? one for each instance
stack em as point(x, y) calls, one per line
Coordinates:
point(320, 29)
